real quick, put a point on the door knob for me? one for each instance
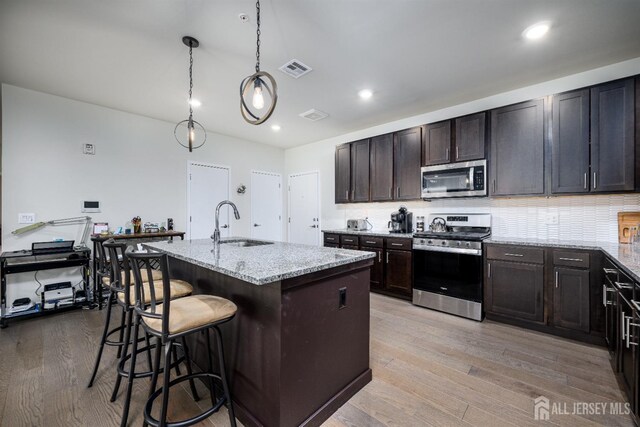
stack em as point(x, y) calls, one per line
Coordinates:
point(224, 226)
point(313, 226)
point(256, 225)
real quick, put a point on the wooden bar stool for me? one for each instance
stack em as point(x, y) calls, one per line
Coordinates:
point(170, 321)
point(122, 275)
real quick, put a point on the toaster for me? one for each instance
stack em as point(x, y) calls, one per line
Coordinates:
point(357, 224)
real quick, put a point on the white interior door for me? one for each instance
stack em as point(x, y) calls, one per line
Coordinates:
point(304, 208)
point(207, 186)
point(266, 205)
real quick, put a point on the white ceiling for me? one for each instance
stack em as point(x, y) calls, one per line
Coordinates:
point(416, 55)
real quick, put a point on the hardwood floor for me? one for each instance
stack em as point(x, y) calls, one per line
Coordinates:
point(429, 369)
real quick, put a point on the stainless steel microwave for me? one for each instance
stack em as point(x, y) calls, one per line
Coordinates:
point(465, 179)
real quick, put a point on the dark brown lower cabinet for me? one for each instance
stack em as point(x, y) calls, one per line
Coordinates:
point(571, 298)
point(377, 271)
point(391, 270)
point(398, 271)
point(627, 348)
point(515, 290)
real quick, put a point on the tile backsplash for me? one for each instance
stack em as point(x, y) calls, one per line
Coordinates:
point(591, 218)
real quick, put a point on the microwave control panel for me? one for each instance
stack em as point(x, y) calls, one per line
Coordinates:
point(478, 178)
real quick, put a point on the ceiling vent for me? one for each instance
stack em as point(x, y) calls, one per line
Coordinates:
point(295, 68)
point(314, 115)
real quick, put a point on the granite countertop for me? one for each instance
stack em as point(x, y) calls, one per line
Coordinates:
point(376, 233)
point(259, 264)
point(625, 255)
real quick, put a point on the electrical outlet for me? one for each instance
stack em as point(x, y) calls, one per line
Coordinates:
point(26, 218)
point(552, 219)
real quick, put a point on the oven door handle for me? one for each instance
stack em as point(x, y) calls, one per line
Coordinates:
point(475, 252)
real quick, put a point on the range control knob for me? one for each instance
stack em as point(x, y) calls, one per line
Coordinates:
point(459, 243)
point(444, 243)
point(468, 244)
point(430, 242)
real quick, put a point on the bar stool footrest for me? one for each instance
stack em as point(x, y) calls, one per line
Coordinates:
point(184, 423)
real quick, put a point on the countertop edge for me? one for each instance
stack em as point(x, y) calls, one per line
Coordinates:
point(372, 233)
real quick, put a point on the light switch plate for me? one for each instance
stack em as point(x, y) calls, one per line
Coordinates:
point(26, 218)
point(89, 148)
point(552, 219)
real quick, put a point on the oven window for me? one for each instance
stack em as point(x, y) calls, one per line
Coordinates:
point(454, 275)
point(448, 181)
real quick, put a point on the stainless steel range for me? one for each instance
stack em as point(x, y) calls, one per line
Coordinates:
point(447, 263)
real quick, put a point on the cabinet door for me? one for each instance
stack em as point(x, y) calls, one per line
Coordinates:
point(517, 149)
point(437, 143)
point(571, 298)
point(570, 152)
point(398, 272)
point(360, 171)
point(381, 168)
point(515, 290)
point(343, 173)
point(627, 353)
point(377, 271)
point(470, 137)
point(407, 147)
point(612, 137)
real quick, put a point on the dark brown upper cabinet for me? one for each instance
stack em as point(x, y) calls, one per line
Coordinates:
point(360, 171)
point(470, 137)
point(517, 149)
point(612, 137)
point(437, 143)
point(381, 168)
point(343, 173)
point(570, 143)
point(407, 147)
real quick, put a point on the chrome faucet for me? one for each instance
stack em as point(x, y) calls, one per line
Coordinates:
point(216, 233)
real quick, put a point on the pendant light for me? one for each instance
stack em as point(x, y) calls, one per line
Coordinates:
point(193, 128)
point(256, 85)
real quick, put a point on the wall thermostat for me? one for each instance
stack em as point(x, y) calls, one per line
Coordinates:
point(90, 206)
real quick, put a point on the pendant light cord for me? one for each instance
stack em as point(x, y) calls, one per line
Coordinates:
point(258, 36)
point(190, 78)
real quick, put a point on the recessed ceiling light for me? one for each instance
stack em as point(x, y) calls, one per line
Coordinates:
point(365, 94)
point(275, 128)
point(195, 103)
point(536, 31)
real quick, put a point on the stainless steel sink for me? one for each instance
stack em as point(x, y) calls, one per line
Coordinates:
point(245, 243)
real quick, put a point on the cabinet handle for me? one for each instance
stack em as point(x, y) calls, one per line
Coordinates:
point(387, 257)
point(397, 244)
point(629, 324)
point(370, 242)
point(518, 255)
point(557, 278)
point(446, 153)
point(457, 156)
point(610, 271)
point(494, 186)
point(489, 275)
point(379, 256)
point(331, 239)
point(390, 190)
point(622, 324)
point(585, 181)
point(604, 295)
point(346, 194)
point(595, 180)
point(571, 259)
point(397, 192)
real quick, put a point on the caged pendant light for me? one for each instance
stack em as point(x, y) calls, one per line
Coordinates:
point(257, 85)
point(194, 130)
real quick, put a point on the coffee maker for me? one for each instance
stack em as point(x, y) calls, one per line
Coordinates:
point(401, 221)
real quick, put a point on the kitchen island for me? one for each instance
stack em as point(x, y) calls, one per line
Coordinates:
point(298, 348)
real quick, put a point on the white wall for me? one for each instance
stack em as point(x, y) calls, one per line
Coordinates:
point(584, 217)
point(138, 169)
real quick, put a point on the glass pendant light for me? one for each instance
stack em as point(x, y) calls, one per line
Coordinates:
point(194, 130)
point(258, 85)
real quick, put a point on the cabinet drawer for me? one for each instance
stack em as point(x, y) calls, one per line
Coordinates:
point(516, 253)
point(399, 244)
point(331, 238)
point(571, 259)
point(371, 242)
point(346, 239)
